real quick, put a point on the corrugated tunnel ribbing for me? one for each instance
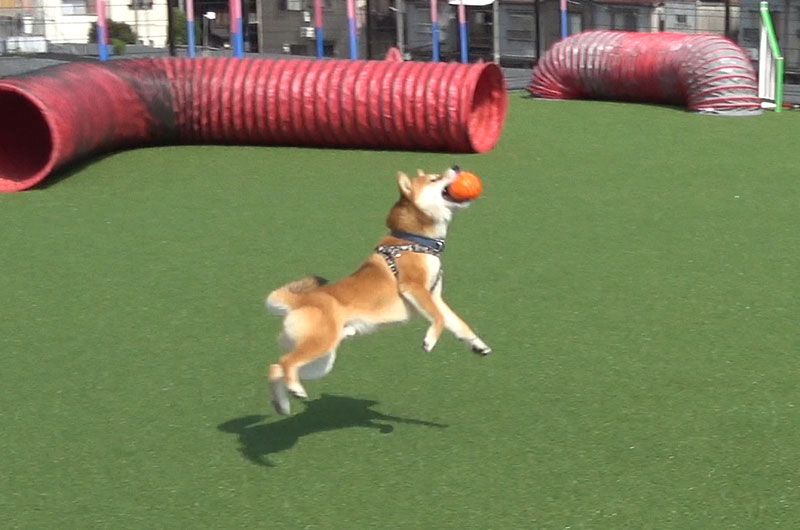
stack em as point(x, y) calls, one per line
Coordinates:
point(61, 113)
point(706, 73)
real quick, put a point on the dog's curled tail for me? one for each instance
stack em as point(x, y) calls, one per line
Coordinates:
point(283, 299)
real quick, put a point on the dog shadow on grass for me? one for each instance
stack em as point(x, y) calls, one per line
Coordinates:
point(258, 440)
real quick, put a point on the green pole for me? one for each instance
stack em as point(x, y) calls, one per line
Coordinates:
point(766, 19)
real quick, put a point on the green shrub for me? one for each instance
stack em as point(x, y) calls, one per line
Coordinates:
point(179, 27)
point(116, 31)
point(118, 46)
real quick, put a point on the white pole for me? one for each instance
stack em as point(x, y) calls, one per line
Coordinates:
point(496, 30)
point(401, 31)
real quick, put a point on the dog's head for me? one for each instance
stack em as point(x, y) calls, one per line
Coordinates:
point(425, 205)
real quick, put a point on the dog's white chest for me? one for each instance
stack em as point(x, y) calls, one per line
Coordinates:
point(434, 267)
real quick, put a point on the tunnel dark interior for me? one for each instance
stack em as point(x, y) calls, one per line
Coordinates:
point(25, 141)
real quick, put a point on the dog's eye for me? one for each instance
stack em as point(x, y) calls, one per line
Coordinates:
point(436, 178)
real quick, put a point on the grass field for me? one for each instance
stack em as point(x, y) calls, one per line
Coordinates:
point(635, 269)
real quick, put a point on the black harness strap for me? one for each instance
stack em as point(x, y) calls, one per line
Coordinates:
point(390, 253)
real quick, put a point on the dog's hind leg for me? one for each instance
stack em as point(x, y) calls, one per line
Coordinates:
point(307, 352)
point(319, 367)
point(278, 391)
point(315, 335)
point(277, 386)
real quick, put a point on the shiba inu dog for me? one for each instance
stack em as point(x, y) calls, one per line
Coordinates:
point(401, 277)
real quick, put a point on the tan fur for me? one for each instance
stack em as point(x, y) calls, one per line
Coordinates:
point(320, 315)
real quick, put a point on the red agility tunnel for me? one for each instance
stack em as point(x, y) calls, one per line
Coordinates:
point(706, 73)
point(61, 113)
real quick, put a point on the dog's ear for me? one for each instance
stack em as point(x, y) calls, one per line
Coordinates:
point(420, 173)
point(404, 183)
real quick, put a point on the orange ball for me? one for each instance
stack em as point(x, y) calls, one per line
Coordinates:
point(466, 186)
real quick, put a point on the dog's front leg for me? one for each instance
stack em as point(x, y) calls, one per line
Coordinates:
point(422, 300)
point(459, 328)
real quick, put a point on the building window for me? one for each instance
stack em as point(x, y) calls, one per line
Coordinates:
point(140, 4)
point(521, 27)
point(680, 19)
point(75, 7)
point(292, 5)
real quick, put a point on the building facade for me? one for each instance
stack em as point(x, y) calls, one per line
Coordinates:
point(68, 21)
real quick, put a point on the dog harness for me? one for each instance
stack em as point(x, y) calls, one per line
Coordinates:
point(420, 244)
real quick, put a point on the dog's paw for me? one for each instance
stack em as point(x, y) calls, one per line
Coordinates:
point(280, 398)
point(482, 351)
point(430, 340)
point(480, 347)
point(428, 344)
point(282, 407)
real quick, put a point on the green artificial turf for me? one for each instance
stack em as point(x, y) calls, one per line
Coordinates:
point(635, 269)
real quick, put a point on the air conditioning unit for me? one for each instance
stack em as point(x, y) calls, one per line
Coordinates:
point(307, 32)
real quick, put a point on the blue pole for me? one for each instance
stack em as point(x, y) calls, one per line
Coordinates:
point(239, 37)
point(101, 42)
point(435, 31)
point(190, 37)
point(319, 29)
point(102, 30)
point(320, 42)
point(462, 28)
point(190, 27)
point(351, 27)
point(564, 31)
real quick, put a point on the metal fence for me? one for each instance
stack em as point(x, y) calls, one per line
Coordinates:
point(513, 32)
